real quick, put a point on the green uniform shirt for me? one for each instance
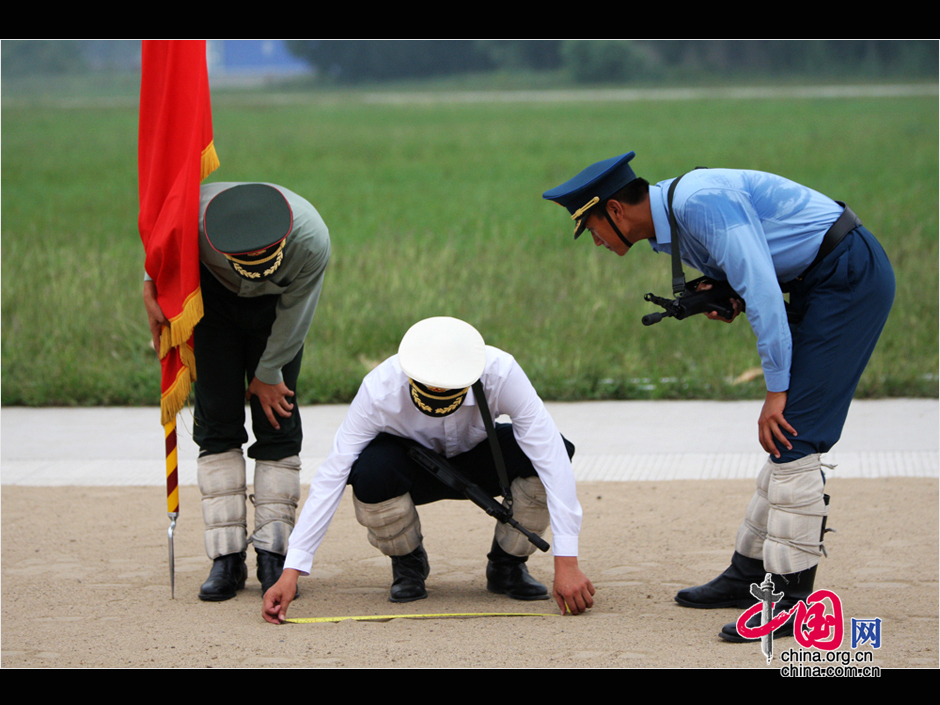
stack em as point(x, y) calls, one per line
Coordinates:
point(298, 280)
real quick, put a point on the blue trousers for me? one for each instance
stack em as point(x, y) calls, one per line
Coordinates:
point(843, 304)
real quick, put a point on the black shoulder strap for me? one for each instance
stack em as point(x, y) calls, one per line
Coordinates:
point(494, 442)
point(678, 276)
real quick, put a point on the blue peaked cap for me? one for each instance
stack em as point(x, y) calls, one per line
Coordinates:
point(592, 186)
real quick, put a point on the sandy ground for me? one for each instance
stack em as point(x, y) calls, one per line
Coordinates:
point(85, 584)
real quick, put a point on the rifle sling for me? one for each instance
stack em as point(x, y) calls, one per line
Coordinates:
point(678, 276)
point(494, 442)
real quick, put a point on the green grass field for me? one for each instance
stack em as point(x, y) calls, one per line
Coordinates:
point(436, 209)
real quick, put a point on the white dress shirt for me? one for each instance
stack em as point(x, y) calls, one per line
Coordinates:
point(383, 404)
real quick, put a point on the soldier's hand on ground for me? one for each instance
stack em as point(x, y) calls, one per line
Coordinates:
point(572, 589)
point(155, 317)
point(771, 423)
point(279, 596)
point(273, 398)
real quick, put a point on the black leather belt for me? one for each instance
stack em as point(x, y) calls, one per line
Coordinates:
point(845, 223)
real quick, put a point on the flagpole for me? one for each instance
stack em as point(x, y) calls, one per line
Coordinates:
point(172, 496)
point(175, 153)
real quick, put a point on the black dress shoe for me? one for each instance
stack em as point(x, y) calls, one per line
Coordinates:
point(408, 575)
point(270, 567)
point(227, 576)
point(730, 589)
point(508, 575)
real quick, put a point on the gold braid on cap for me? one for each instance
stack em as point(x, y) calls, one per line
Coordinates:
point(417, 394)
point(257, 275)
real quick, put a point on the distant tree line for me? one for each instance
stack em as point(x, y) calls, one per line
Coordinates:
point(67, 57)
point(601, 61)
point(580, 61)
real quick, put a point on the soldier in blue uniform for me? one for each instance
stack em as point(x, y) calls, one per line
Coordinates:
point(764, 235)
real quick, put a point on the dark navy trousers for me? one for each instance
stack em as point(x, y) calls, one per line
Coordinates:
point(383, 470)
point(843, 304)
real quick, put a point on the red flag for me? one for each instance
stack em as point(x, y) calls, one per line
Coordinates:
point(175, 152)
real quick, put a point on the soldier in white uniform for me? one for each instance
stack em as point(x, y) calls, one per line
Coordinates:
point(426, 394)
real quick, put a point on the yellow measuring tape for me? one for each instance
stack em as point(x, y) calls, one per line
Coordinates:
point(388, 617)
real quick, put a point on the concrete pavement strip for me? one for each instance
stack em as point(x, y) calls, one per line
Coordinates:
point(615, 440)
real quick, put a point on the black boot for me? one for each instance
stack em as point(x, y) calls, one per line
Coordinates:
point(507, 575)
point(270, 567)
point(227, 576)
point(408, 575)
point(730, 589)
point(795, 587)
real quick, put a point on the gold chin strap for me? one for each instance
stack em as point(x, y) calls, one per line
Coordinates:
point(459, 393)
point(254, 263)
point(578, 214)
point(586, 207)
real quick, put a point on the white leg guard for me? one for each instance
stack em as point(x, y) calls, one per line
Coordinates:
point(796, 517)
point(530, 509)
point(221, 478)
point(277, 492)
point(393, 525)
point(753, 532)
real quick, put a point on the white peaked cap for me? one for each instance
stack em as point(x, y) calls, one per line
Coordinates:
point(442, 352)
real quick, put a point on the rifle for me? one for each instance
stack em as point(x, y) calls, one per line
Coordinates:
point(691, 302)
point(688, 301)
point(453, 478)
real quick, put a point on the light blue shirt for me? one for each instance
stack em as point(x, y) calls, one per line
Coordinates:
point(753, 230)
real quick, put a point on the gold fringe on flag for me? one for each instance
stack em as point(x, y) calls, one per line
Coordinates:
point(174, 398)
point(181, 327)
point(180, 330)
point(210, 161)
